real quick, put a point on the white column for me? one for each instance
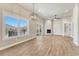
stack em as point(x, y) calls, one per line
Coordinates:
point(75, 24)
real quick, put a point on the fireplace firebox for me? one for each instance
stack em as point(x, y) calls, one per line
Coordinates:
point(48, 30)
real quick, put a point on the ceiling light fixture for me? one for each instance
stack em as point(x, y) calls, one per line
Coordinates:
point(55, 17)
point(33, 16)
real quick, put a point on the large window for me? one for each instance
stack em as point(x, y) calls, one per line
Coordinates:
point(11, 26)
point(15, 26)
point(23, 27)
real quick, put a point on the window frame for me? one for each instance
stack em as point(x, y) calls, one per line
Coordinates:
point(27, 33)
point(17, 17)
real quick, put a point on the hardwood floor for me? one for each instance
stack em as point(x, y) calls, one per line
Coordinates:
point(44, 46)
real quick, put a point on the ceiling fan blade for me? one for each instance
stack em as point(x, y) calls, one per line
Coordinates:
point(58, 18)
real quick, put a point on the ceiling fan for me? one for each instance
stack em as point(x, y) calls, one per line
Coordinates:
point(56, 17)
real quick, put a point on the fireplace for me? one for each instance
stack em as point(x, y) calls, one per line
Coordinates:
point(48, 30)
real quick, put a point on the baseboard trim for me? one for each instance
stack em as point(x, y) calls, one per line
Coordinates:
point(5, 47)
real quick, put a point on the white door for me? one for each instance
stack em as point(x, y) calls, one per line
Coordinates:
point(39, 29)
point(68, 29)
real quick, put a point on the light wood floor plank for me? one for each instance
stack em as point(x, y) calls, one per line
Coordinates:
point(44, 46)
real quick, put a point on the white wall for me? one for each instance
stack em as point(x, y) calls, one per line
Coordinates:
point(57, 27)
point(67, 26)
point(20, 11)
point(48, 25)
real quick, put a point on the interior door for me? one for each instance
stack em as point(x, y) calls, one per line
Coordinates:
point(68, 29)
point(39, 29)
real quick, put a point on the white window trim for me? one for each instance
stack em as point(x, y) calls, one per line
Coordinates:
point(7, 13)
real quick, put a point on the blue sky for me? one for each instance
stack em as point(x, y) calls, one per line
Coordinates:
point(22, 23)
point(13, 21)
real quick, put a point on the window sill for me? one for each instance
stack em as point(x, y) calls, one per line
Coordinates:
point(15, 37)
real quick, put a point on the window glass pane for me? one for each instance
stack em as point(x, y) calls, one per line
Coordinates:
point(23, 24)
point(11, 26)
point(11, 21)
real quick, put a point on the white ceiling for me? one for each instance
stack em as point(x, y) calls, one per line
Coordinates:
point(48, 10)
